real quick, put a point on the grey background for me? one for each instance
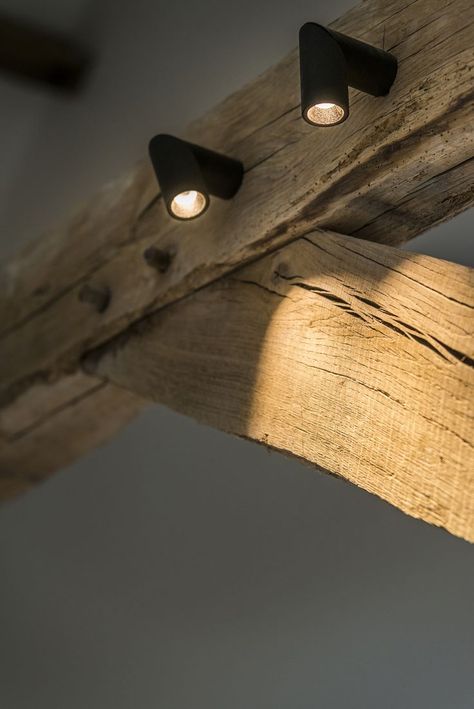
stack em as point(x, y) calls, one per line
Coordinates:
point(178, 567)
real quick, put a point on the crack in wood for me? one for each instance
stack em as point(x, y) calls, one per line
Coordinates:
point(305, 215)
point(402, 328)
point(18, 435)
point(405, 275)
point(465, 198)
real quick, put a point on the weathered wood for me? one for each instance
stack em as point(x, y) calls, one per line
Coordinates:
point(297, 177)
point(400, 165)
point(92, 412)
point(350, 355)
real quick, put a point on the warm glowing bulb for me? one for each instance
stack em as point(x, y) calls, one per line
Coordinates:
point(325, 114)
point(189, 204)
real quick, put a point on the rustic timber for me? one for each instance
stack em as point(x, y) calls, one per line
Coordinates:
point(297, 177)
point(90, 413)
point(350, 355)
point(399, 166)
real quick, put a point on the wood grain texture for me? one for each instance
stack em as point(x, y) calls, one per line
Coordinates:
point(350, 355)
point(57, 438)
point(400, 165)
point(384, 166)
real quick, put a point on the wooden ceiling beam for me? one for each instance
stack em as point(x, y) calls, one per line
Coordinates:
point(352, 356)
point(400, 165)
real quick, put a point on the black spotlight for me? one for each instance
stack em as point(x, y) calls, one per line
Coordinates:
point(330, 62)
point(188, 174)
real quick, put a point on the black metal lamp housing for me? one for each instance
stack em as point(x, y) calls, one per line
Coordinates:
point(188, 174)
point(330, 62)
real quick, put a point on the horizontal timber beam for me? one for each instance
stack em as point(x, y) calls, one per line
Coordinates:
point(400, 165)
point(375, 169)
point(47, 440)
point(353, 356)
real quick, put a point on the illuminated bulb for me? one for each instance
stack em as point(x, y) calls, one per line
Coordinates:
point(325, 114)
point(187, 205)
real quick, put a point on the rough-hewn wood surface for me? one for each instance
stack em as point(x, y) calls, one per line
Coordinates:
point(374, 172)
point(400, 165)
point(351, 355)
point(90, 414)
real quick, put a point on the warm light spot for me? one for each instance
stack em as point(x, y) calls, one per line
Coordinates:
point(187, 205)
point(325, 114)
